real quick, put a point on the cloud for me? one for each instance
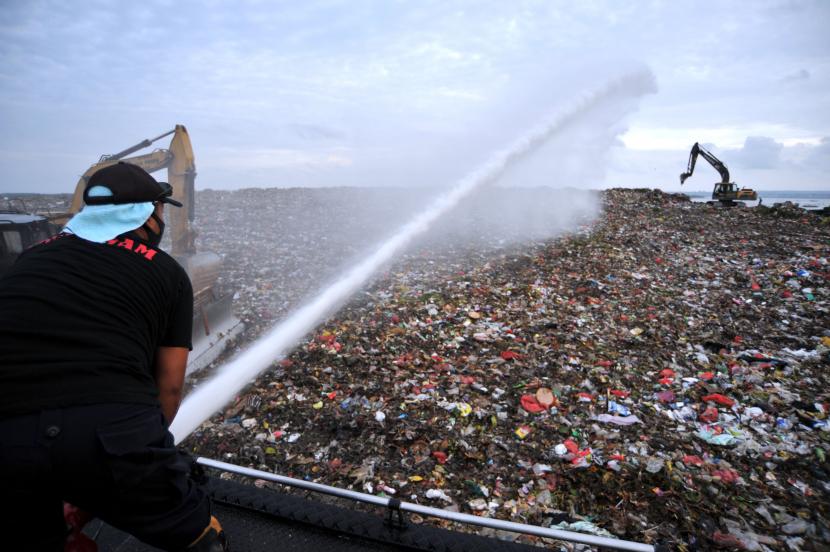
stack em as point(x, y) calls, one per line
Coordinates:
point(768, 154)
point(758, 152)
point(279, 158)
point(312, 132)
point(434, 84)
point(800, 75)
point(818, 157)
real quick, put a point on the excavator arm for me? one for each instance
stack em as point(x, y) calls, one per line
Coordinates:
point(719, 165)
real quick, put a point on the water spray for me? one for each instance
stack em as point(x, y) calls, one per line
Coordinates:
point(212, 395)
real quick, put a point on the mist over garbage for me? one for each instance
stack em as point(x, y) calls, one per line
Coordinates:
point(636, 360)
point(230, 378)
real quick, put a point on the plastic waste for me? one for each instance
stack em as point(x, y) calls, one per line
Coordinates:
point(616, 408)
point(723, 439)
point(618, 420)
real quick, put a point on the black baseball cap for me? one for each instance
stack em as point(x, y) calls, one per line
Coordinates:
point(127, 183)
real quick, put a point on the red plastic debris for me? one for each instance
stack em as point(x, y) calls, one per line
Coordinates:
point(326, 337)
point(511, 355)
point(579, 456)
point(710, 415)
point(720, 399)
point(530, 404)
point(693, 460)
point(725, 540)
point(665, 396)
point(620, 394)
point(727, 476)
point(440, 457)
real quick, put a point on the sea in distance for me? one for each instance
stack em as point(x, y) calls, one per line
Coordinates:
point(806, 199)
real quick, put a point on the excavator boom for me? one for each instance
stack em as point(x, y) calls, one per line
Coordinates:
point(719, 165)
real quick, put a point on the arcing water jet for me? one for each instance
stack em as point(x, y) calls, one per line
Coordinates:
point(274, 345)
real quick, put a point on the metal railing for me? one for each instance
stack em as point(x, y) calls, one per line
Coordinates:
point(397, 505)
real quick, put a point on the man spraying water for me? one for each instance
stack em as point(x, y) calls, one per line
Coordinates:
point(95, 329)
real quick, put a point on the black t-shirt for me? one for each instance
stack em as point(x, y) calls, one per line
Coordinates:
point(80, 322)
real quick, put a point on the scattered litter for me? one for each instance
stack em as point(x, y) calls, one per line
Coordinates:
point(658, 373)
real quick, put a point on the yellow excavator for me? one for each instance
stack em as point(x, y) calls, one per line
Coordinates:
point(213, 323)
point(725, 192)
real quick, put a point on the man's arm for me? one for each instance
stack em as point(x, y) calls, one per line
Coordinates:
point(171, 363)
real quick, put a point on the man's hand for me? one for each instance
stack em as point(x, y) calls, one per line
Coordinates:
point(171, 363)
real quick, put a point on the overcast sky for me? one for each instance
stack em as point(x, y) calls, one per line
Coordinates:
point(328, 93)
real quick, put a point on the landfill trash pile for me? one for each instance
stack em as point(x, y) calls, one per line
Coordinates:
point(43, 204)
point(282, 245)
point(660, 375)
point(788, 209)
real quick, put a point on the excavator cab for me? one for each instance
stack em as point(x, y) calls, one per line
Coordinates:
point(18, 231)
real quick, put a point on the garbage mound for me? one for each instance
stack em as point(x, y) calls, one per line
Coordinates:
point(660, 375)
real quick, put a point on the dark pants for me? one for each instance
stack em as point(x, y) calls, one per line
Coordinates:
point(116, 461)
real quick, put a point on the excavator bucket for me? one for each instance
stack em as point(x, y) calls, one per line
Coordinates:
point(214, 325)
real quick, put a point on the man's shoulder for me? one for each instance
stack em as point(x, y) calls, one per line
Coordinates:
point(141, 249)
point(129, 248)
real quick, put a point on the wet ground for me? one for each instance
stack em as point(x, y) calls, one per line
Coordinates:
point(659, 375)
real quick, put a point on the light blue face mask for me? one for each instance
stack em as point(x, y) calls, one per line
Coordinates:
point(100, 223)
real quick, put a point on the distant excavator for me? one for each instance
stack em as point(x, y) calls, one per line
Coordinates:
point(725, 192)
